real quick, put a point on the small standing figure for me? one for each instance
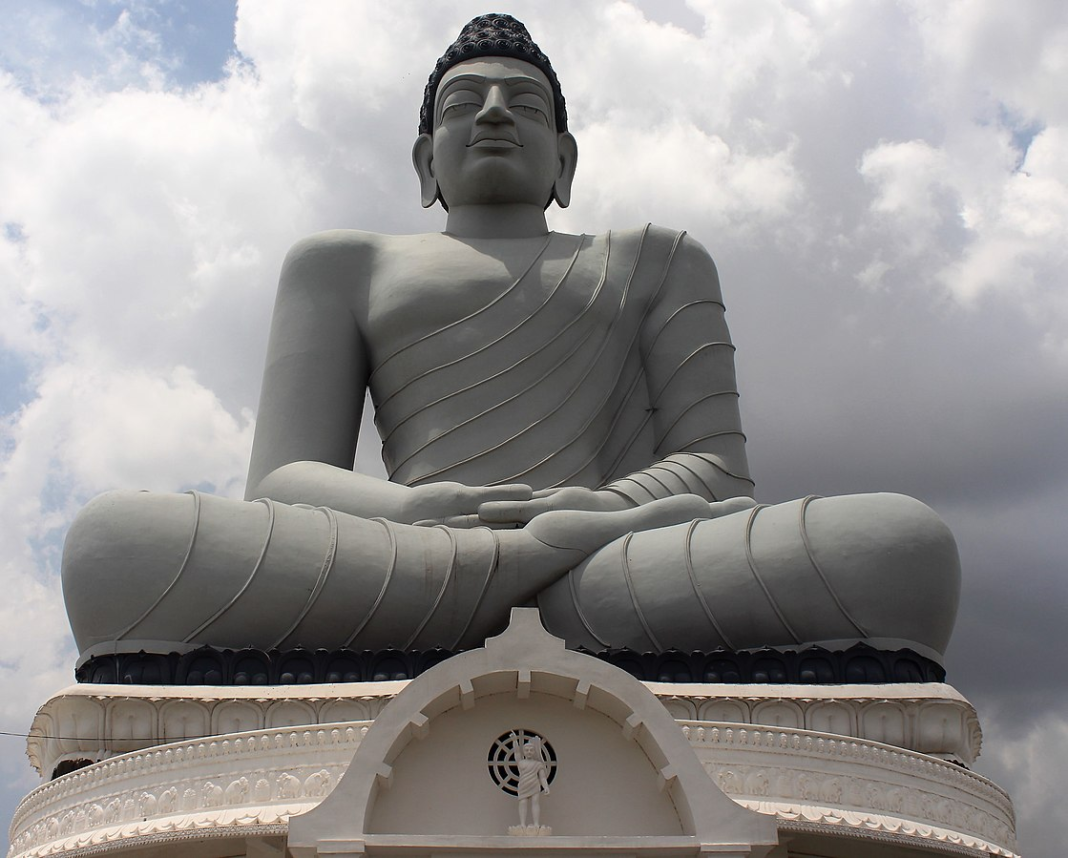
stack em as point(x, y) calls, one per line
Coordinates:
point(533, 781)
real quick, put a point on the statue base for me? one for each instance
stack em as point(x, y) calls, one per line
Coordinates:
point(88, 723)
point(529, 831)
point(859, 664)
point(244, 787)
point(156, 769)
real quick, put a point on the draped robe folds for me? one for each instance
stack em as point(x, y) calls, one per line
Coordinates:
point(593, 364)
point(634, 392)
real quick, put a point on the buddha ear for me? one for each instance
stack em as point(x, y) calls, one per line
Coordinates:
point(423, 159)
point(568, 152)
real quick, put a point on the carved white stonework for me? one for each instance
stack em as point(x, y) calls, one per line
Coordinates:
point(818, 781)
point(932, 718)
point(502, 760)
point(175, 764)
point(524, 770)
point(529, 830)
point(94, 722)
point(629, 780)
point(251, 783)
point(241, 785)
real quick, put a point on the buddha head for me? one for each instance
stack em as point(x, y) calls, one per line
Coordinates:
point(493, 124)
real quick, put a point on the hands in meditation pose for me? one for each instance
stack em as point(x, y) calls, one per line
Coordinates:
point(560, 422)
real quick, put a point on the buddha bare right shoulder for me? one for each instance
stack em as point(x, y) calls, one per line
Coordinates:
point(333, 257)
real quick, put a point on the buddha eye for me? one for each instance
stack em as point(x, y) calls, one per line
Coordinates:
point(531, 111)
point(459, 102)
point(459, 107)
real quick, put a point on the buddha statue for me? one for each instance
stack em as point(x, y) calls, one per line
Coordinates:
point(560, 424)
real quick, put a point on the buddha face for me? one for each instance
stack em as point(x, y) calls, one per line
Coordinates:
point(495, 139)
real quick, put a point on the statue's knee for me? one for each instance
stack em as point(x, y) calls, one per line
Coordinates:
point(112, 558)
point(916, 544)
point(897, 562)
point(98, 531)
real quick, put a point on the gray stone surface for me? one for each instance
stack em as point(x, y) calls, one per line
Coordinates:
point(560, 423)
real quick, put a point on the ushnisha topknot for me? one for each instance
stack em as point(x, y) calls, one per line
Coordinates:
point(491, 35)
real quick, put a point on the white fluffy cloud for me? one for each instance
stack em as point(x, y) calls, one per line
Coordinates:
point(1010, 209)
point(883, 187)
point(95, 430)
point(697, 176)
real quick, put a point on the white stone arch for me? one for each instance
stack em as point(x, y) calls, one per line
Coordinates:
point(725, 710)
point(831, 716)
point(941, 729)
point(66, 732)
point(130, 724)
point(886, 721)
point(346, 709)
point(289, 713)
point(420, 781)
point(183, 719)
point(680, 708)
point(236, 716)
point(779, 713)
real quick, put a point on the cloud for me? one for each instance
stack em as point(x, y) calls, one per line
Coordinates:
point(127, 429)
point(1009, 224)
point(907, 178)
point(1032, 759)
point(882, 185)
point(735, 190)
point(979, 53)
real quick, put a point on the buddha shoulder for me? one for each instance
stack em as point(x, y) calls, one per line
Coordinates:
point(337, 258)
point(679, 266)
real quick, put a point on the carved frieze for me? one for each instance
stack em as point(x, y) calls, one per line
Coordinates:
point(817, 779)
point(186, 788)
point(87, 723)
point(807, 780)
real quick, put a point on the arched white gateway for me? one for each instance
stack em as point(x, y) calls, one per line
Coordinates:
point(432, 774)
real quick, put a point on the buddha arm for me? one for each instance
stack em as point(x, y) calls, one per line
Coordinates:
point(689, 364)
point(313, 392)
point(313, 381)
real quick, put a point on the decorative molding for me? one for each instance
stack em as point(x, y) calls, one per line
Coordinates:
point(812, 665)
point(822, 779)
point(89, 723)
point(808, 780)
point(184, 789)
point(250, 833)
point(892, 831)
point(257, 668)
point(931, 719)
point(631, 774)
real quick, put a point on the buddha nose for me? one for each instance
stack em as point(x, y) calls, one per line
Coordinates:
point(494, 107)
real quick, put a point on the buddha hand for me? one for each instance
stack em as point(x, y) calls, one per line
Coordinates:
point(575, 498)
point(457, 505)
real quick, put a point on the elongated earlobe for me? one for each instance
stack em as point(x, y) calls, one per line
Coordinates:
point(568, 149)
point(423, 159)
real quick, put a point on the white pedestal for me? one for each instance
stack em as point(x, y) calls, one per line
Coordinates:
point(214, 772)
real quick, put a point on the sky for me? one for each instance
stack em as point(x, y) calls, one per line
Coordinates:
point(884, 187)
